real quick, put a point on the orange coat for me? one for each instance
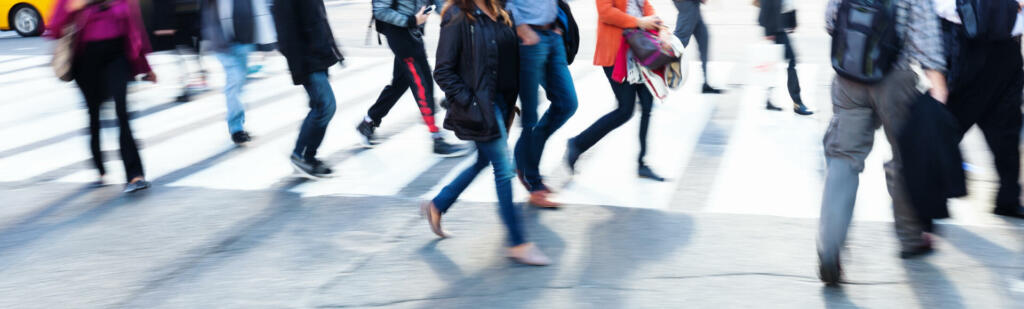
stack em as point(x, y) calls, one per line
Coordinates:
point(611, 20)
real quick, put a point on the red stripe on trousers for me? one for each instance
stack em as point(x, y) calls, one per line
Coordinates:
point(421, 97)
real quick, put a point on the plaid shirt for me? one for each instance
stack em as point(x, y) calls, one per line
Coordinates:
point(917, 25)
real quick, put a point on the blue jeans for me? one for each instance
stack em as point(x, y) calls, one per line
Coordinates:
point(542, 64)
point(494, 152)
point(236, 67)
point(321, 110)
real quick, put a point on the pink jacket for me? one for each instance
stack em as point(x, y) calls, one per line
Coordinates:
point(112, 20)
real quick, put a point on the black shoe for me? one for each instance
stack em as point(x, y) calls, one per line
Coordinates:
point(801, 109)
point(646, 172)
point(830, 271)
point(769, 106)
point(241, 138)
point(136, 186)
point(184, 97)
point(366, 131)
point(312, 169)
point(710, 90)
point(572, 154)
point(1017, 213)
point(916, 251)
point(447, 150)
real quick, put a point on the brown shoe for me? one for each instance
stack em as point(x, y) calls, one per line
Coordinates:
point(528, 254)
point(540, 199)
point(429, 211)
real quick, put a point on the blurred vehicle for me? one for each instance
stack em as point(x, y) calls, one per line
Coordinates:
point(27, 17)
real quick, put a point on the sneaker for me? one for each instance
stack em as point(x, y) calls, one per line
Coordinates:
point(241, 138)
point(769, 106)
point(572, 154)
point(710, 90)
point(366, 131)
point(136, 186)
point(447, 150)
point(801, 109)
point(312, 169)
point(645, 172)
point(1010, 212)
point(528, 254)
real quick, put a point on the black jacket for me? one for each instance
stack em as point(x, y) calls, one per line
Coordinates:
point(304, 37)
point(930, 156)
point(571, 35)
point(465, 71)
point(771, 17)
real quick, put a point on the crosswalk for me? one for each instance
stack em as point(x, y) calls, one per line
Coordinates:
point(721, 154)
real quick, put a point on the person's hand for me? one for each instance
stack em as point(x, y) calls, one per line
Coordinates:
point(149, 77)
point(527, 35)
point(770, 38)
point(648, 22)
point(703, 1)
point(939, 90)
point(164, 32)
point(421, 16)
point(75, 5)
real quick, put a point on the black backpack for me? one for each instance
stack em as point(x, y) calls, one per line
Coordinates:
point(990, 20)
point(865, 44)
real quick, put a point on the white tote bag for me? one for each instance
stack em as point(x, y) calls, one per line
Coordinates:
point(766, 61)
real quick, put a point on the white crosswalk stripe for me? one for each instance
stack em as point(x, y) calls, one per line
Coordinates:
point(762, 170)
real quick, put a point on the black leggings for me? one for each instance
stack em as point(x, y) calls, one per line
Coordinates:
point(626, 94)
point(101, 72)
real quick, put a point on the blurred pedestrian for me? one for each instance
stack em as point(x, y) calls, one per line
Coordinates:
point(233, 28)
point(778, 17)
point(306, 41)
point(689, 23)
point(543, 62)
point(109, 49)
point(986, 82)
point(176, 25)
point(477, 60)
point(866, 94)
point(402, 22)
point(614, 16)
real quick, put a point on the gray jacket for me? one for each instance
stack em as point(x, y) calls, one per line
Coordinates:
point(402, 13)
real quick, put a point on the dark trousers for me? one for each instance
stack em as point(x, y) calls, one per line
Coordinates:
point(987, 92)
point(626, 94)
point(101, 72)
point(689, 23)
point(792, 82)
point(411, 72)
point(321, 110)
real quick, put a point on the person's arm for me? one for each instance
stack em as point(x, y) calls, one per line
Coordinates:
point(608, 14)
point(648, 8)
point(924, 43)
point(448, 58)
point(771, 16)
point(830, 15)
point(382, 11)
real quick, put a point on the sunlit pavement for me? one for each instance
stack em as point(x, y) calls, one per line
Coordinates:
point(228, 227)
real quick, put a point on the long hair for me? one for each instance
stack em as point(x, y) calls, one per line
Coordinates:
point(467, 7)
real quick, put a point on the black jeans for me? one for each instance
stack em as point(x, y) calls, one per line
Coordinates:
point(101, 72)
point(987, 92)
point(411, 72)
point(793, 83)
point(626, 94)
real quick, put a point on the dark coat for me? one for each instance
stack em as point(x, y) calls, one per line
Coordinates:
point(770, 17)
point(930, 156)
point(571, 33)
point(304, 37)
point(465, 71)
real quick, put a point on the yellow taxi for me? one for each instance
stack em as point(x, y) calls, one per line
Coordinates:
point(27, 17)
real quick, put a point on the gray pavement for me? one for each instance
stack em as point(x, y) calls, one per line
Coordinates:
point(737, 228)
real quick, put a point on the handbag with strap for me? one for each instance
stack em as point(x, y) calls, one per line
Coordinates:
point(648, 49)
point(64, 53)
